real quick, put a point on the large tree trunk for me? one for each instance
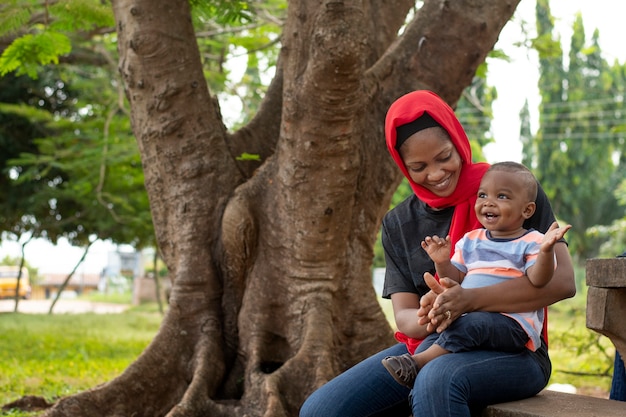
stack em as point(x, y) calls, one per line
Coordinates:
point(272, 292)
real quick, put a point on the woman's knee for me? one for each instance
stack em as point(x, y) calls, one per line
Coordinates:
point(310, 408)
point(437, 385)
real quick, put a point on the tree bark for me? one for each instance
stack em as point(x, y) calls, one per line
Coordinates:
point(272, 291)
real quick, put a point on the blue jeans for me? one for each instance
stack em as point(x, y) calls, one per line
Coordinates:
point(481, 330)
point(618, 384)
point(450, 386)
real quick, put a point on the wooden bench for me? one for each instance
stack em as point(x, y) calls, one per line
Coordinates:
point(606, 299)
point(557, 404)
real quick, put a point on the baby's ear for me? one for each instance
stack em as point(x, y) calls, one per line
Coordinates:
point(529, 209)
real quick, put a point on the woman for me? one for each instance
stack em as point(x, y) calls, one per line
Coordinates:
point(430, 147)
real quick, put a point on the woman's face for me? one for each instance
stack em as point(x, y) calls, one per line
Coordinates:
point(432, 161)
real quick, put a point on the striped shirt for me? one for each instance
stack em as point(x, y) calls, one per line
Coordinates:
point(487, 261)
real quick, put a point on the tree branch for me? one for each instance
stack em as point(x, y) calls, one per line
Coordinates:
point(427, 49)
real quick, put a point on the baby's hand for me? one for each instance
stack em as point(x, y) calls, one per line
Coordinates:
point(437, 248)
point(553, 235)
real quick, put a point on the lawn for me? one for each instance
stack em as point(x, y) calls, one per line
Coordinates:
point(56, 355)
point(580, 357)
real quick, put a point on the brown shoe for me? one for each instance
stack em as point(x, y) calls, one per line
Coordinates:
point(402, 368)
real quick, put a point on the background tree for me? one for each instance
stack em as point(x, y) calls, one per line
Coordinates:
point(270, 257)
point(37, 100)
point(33, 273)
point(70, 164)
point(578, 151)
point(526, 136)
point(613, 235)
point(474, 110)
point(24, 208)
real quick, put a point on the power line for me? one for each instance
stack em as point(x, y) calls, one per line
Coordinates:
point(580, 136)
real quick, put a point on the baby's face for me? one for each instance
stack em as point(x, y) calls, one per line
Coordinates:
point(502, 203)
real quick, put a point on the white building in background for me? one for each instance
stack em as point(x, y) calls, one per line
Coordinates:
point(121, 269)
point(128, 264)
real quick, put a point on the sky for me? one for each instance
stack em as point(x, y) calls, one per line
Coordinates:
point(516, 81)
point(60, 258)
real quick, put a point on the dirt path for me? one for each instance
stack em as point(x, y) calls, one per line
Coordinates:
point(61, 307)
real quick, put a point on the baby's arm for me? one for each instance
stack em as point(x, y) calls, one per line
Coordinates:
point(541, 272)
point(439, 251)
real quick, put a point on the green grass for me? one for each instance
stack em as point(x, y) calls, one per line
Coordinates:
point(56, 355)
point(580, 356)
point(114, 298)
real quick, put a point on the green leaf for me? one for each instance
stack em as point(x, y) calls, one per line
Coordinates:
point(27, 53)
point(73, 15)
point(248, 157)
point(34, 114)
point(223, 11)
point(546, 46)
point(13, 18)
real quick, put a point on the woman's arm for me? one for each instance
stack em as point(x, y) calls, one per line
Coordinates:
point(405, 307)
point(515, 295)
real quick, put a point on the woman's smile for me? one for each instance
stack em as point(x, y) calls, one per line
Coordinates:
point(441, 185)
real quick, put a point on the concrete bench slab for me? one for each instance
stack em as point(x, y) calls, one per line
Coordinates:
point(558, 404)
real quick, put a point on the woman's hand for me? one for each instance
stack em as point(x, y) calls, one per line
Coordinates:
point(427, 301)
point(442, 305)
point(405, 308)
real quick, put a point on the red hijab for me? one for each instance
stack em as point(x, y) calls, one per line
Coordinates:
point(411, 107)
